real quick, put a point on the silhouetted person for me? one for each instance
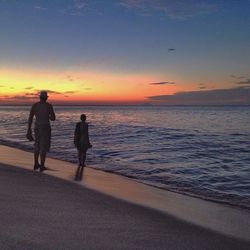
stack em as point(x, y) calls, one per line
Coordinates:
point(44, 113)
point(81, 140)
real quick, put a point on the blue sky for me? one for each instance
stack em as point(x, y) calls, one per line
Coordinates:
point(198, 45)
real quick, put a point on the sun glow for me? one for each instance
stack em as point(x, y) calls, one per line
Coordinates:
point(22, 86)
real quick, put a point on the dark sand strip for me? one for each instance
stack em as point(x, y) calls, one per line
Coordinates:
point(38, 211)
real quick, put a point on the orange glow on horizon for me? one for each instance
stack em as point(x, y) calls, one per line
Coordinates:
point(22, 86)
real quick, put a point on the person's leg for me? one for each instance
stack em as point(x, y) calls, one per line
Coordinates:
point(80, 157)
point(43, 158)
point(36, 149)
point(81, 173)
point(84, 157)
point(36, 163)
point(45, 134)
point(77, 174)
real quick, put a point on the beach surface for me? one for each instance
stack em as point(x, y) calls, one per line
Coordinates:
point(105, 211)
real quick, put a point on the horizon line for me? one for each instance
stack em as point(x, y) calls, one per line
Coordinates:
point(70, 105)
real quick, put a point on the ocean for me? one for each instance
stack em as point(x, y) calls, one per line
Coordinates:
point(200, 151)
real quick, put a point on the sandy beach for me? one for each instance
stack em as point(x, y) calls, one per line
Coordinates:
point(48, 211)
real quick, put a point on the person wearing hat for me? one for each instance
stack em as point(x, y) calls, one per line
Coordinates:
point(44, 113)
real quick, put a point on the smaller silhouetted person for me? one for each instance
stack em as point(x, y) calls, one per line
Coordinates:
point(44, 113)
point(81, 140)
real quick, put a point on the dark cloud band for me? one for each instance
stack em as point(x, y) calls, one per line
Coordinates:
point(161, 83)
point(233, 96)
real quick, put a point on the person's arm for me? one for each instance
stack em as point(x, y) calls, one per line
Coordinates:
point(30, 120)
point(52, 115)
point(76, 135)
point(89, 144)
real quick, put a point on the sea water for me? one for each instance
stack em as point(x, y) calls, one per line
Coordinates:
point(198, 151)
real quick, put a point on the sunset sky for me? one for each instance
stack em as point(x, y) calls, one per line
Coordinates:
point(125, 51)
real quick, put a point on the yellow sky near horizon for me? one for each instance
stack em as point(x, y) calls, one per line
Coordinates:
point(75, 86)
point(22, 85)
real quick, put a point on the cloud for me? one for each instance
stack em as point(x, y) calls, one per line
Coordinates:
point(181, 9)
point(37, 91)
point(246, 82)
point(60, 93)
point(233, 96)
point(76, 8)
point(161, 83)
point(80, 4)
point(24, 97)
point(238, 77)
point(69, 92)
point(202, 86)
point(52, 92)
point(30, 87)
point(34, 95)
point(70, 78)
point(39, 7)
point(27, 96)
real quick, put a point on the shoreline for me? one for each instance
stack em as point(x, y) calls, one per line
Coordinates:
point(226, 203)
point(217, 217)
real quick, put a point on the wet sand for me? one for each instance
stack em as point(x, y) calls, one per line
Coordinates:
point(42, 211)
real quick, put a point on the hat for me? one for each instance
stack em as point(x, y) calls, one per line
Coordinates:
point(43, 94)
